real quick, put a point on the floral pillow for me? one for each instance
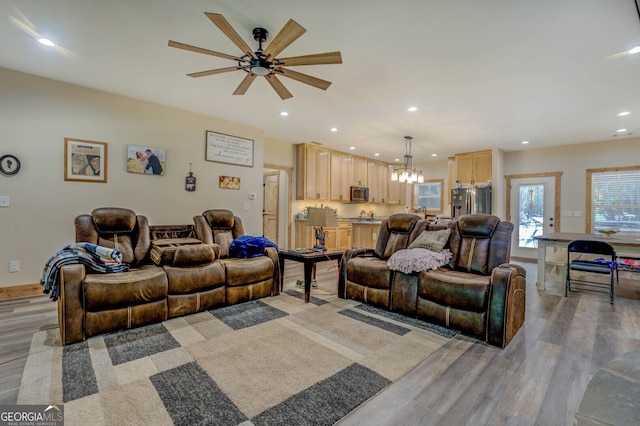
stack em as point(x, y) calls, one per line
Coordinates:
point(432, 240)
point(417, 260)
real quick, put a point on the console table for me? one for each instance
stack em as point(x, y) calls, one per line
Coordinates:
point(309, 259)
point(620, 243)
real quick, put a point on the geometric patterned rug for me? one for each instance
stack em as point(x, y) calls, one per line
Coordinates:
point(273, 361)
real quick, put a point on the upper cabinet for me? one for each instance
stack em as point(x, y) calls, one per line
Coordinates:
point(377, 182)
point(395, 190)
point(340, 176)
point(312, 177)
point(473, 168)
point(358, 171)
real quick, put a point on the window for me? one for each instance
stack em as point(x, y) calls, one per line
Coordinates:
point(429, 195)
point(615, 199)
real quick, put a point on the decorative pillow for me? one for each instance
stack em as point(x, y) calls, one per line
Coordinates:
point(417, 260)
point(223, 239)
point(431, 240)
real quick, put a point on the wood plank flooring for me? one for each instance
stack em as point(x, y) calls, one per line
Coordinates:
point(538, 379)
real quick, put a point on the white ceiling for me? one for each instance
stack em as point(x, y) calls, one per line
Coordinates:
point(483, 74)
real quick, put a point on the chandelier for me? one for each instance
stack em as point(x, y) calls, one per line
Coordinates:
point(407, 173)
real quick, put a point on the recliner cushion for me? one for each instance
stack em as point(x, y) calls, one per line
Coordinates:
point(219, 218)
point(114, 219)
point(369, 272)
point(461, 290)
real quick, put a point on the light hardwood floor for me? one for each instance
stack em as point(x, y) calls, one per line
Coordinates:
point(538, 379)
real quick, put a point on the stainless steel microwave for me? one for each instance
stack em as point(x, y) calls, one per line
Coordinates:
point(359, 194)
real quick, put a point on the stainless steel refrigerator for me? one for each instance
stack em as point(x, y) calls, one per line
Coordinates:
point(470, 199)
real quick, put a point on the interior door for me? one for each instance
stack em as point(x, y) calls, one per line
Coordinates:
point(271, 184)
point(532, 213)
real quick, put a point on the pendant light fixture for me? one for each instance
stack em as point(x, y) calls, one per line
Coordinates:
point(407, 173)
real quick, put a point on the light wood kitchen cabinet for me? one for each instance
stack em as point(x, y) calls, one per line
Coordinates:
point(395, 189)
point(377, 181)
point(340, 176)
point(312, 177)
point(358, 171)
point(335, 238)
point(344, 235)
point(473, 168)
point(365, 234)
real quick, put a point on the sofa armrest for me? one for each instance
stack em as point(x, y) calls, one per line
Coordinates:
point(70, 304)
point(507, 302)
point(342, 275)
point(273, 255)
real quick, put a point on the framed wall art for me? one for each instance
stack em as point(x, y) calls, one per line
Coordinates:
point(229, 149)
point(85, 161)
point(229, 182)
point(146, 160)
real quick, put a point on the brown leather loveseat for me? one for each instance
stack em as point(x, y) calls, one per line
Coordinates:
point(185, 279)
point(479, 293)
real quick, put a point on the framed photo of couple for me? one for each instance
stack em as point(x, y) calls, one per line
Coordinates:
point(85, 161)
point(146, 160)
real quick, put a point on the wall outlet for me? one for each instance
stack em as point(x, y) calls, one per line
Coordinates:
point(374, 236)
point(4, 201)
point(14, 266)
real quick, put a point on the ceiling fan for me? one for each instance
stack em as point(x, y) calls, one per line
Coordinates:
point(264, 62)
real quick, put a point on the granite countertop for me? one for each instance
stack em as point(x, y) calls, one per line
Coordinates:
point(356, 220)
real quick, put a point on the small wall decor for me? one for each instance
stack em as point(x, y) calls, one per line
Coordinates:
point(228, 182)
point(190, 181)
point(85, 161)
point(229, 149)
point(146, 160)
point(9, 165)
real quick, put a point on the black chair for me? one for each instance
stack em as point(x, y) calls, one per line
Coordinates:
point(606, 264)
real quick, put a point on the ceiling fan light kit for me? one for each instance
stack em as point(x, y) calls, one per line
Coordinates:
point(264, 63)
point(407, 173)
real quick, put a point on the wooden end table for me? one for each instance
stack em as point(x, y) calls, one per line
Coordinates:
point(309, 259)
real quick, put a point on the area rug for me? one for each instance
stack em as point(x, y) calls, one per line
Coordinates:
point(273, 361)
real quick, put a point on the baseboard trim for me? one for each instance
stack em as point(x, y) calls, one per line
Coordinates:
point(20, 291)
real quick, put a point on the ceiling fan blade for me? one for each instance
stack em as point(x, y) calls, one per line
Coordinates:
point(228, 30)
point(204, 51)
point(317, 59)
point(287, 35)
point(279, 87)
point(212, 72)
point(244, 84)
point(304, 78)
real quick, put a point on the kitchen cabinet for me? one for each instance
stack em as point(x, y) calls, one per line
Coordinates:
point(340, 176)
point(312, 177)
point(336, 238)
point(358, 171)
point(344, 235)
point(365, 234)
point(473, 168)
point(395, 190)
point(377, 181)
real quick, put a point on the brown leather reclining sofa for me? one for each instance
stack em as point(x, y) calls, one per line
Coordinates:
point(181, 279)
point(479, 293)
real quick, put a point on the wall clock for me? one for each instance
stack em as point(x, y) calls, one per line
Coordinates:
point(9, 165)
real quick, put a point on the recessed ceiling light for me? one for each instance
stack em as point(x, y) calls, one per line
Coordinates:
point(334, 129)
point(352, 147)
point(377, 154)
point(634, 50)
point(412, 109)
point(397, 159)
point(525, 142)
point(46, 42)
point(284, 113)
point(621, 130)
point(434, 155)
point(623, 113)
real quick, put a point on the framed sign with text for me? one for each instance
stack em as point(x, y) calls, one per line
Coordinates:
point(229, 149)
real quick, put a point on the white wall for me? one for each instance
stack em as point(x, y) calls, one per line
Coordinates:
point(573, 161)
point(36, 115)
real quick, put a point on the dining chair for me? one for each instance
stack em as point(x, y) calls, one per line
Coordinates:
point(605, 264)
